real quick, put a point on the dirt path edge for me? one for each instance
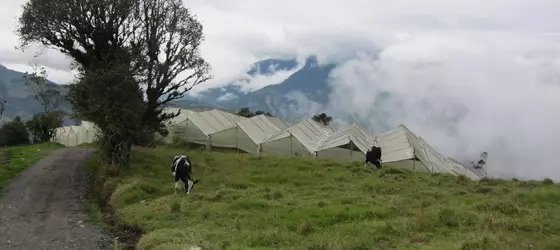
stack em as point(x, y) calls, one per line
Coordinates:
point(103, 183)
point(47, 206)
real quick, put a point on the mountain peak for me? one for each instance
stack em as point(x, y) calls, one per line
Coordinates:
point(311, 81)
point(270, 66)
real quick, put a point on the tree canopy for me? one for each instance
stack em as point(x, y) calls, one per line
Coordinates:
point(323, 119)
point(47, 94)
point(246, 112)
point(136, 55)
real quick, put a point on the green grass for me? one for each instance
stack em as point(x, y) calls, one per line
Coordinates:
point(13, 160)
point(247, 202)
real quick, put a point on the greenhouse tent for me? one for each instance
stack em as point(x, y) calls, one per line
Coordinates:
point(87, 132)
point(300, 139)
point(446, 165)
point(213, 128)
point(350, 143)
point(66, 136)
point(63, 136)
point(74, 135)
point(179, 118)
point(404, 149)
point(255, 130)
point(177, 126)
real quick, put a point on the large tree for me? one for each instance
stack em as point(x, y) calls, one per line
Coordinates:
point(170, 38)
point(97, 35)
point(117, 111)
point(46, 93)
point(42, 126)
point(153, 41)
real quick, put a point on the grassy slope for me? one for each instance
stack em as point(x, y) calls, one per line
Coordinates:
point(245, 202)
point(13, 160)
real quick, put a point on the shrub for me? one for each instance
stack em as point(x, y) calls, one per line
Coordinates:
point(14, 133)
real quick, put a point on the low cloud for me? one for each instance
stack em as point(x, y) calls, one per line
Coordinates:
point(250, 83)
point(463, 96)
point(226, 97)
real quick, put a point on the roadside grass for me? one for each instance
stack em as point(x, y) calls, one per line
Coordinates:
point(249, 202)
point(13, 160)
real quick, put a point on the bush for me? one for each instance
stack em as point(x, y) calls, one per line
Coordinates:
point(14, 133)
point(43, 125)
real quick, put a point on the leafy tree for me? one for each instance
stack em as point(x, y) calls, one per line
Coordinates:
point(260, 112)
point(120, 127)
point(170, 39)
point(47, 94)
point(246, 112)
point(14, 133)
point(322, 118)
point(146, 44)
point(43, 125)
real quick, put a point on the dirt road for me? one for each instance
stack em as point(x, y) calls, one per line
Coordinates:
point(46, 206)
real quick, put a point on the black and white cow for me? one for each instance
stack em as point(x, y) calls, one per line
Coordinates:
point(373, 156)
point(181, 169)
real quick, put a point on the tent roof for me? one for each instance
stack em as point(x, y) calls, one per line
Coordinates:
point(444, 164)
point(88, 125)
point(353, 133)
point(76, 129)
point(185, 113)
point(260, 127)
point(395, 144)
point(214, 121)
point(310, 133)
point(401, 144)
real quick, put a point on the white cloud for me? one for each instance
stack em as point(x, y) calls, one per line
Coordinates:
point(226, 97)
point(248, 83)
point(464, 96)
point(492, 66)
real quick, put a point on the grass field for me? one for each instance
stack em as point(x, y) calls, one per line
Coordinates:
point(247, 202)
point(13, 160)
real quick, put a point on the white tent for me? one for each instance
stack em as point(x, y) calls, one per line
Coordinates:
point(402, 148)
point(62, 135)
point(87, 132)
point(300, 139)
point(443, 164)
point(255, 130)
point(350, 143)
point(74, 135)
point(66, 136)
point(213, 128)
point(177, 126)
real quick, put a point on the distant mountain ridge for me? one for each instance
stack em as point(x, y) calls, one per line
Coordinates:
point(311, 80)
point(19, 99)
point(20, 102)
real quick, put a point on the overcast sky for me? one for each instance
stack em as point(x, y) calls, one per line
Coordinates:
point(469, 75)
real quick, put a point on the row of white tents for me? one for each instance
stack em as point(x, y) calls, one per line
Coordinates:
point(264, 135)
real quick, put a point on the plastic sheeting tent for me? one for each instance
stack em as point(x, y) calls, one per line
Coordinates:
point(443, 164)
point(212, 128)
point(74, 135)
point(177, 126)
point(65, 136)
point(87, 132)
point(350, 143)
point(301, 139)
point(255, 130)
point(402, 148)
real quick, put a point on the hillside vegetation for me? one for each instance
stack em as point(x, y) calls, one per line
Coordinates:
point(13, 160)
point(248, 202)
